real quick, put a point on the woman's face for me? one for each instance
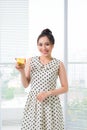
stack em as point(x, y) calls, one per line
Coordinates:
point(45, 46)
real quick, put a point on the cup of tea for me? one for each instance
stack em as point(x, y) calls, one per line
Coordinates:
point(21, 61)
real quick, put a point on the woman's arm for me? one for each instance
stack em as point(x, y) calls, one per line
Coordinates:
point(63, 82)
point(25, 72)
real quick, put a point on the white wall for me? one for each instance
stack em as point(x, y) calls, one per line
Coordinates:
point(46, 14)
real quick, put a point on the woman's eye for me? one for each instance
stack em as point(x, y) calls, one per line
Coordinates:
point(47, 44)
point(40, 44)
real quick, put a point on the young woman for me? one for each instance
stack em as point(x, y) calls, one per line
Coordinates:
point(43, 109)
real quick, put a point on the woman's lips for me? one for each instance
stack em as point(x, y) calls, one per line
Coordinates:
point(45, 52)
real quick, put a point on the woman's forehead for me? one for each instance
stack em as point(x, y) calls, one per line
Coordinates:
point(45, 38)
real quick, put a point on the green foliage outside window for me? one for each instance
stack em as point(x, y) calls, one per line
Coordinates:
point(11, 85)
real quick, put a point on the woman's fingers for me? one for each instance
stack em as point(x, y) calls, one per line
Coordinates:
point(41, 96)
point(19, 67)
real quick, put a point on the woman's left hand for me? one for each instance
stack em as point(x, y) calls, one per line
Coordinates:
point(42, 96)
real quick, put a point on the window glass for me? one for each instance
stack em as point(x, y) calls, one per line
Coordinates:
point(77, 65)
point(77, 30)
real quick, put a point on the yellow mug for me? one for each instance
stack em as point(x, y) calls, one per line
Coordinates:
point(21, 61)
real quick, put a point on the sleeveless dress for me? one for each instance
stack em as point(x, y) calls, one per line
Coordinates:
point(45, 115)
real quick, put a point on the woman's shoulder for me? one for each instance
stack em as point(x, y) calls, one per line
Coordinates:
point(32, 58)
point(28, 59)
point(59, 62)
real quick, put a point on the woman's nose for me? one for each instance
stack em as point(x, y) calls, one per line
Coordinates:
point(44, 47)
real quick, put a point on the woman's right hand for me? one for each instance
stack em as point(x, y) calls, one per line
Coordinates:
point(24, 69)
point(19, 67)
point(20, 64)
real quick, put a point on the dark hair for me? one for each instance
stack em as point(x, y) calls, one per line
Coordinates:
point(47, 32)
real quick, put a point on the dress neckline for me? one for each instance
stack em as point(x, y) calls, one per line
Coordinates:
point(46, 63)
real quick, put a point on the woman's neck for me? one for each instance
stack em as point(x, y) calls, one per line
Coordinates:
point(45, 58)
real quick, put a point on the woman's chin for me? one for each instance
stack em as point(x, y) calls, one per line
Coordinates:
point(45, 54)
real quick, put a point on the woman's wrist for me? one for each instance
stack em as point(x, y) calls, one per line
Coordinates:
point(22, 72)
point(49, 93)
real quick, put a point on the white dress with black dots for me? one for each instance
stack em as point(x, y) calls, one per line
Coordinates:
point(45, 115)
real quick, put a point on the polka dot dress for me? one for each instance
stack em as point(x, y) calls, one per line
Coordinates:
point(45, 115)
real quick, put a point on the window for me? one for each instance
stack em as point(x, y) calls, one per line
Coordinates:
point(13, 43)
point(77, 65)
